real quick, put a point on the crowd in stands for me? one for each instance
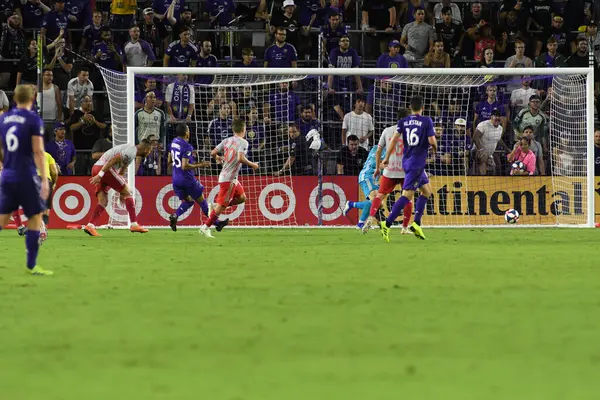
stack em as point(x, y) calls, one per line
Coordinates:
point(506, 121)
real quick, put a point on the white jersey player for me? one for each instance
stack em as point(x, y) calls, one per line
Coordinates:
point(107, 174)
point(231, 192)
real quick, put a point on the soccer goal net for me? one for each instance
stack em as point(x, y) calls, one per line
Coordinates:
point(507, 138)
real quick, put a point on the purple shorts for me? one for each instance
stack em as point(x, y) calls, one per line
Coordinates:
point(25, 194)
point(414, 179)
point(193, 189)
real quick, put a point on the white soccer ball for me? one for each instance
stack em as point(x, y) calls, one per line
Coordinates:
point(518, 165)
point(511, 216)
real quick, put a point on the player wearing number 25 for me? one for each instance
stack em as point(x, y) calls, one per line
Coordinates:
point(22, 155)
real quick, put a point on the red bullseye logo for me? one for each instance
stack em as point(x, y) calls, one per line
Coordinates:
point(277, 201)
point(333, 201)
point(167, 203)
point(71, 202)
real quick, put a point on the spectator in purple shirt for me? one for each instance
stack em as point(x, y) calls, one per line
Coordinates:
point(484, 109)
point(181, 53)
point(343, 56)
point(149, 86)
point(281, 54)
point(333, 32)
point(285, 102)
point(62, 150)
point(33, 12)
point(392, 59)
point(306, 122)
point(78, 14)
point(106, 53)
point(91, 33)
point(248, 60)
point(161, 7)
point(54, 22)
point(206, 60)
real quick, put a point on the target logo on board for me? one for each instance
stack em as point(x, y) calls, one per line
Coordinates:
point(277, 201)
point(116, 208)
point(238, 209)
point(71, 202)
point(334, 199)
point(167, 203)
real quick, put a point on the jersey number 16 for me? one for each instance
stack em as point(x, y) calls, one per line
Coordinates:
point(412, 137)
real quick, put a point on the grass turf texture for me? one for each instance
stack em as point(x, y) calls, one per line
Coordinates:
point(303, 314)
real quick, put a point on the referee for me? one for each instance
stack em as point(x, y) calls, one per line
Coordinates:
point(52, 174)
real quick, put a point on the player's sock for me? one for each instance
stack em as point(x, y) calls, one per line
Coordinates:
point(17, 218)
point(46, 219)
point(130, 205)
point(407, 214)
point(351, 205)
point(396, 210)
point(98, 211)
point(375, 204)
point(32, 245)
point(203, 206)
point(420, 208)
point(366, 210)
point(183, 207)
point(212, 219)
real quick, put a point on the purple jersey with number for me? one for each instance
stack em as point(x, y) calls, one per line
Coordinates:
point(416, 130)
point(181, 149)
point(17, 127)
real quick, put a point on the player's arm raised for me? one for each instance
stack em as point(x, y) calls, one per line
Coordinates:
point(242, 158)
point(39, 154)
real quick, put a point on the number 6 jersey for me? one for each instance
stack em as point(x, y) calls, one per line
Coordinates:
point(230, 148)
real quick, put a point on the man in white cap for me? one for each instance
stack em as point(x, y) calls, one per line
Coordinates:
point(288, 19)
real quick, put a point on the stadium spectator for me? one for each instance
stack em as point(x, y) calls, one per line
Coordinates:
point(514, 26)
point(248, 60)
point(487, 60)
point(486, 138)
point(561, 33)
point(417, 39)
point(438, 58)
point(298, 161)
point(392, 59)
point(341, 87)
point(351, 158)
point(222, 96)
point(540, 15)
point(4, 103)
point(150, 120)
point(27, 66)
point(377, 15)
point(580, 58)
point(206, 60)
point(107, 53)
point(161, 9)
point(536, 148)
point(137, 52)
point(7, 9)
point(152, 163)
point(484, 39)
point(79, 87)
point(289, 20)
point(450, 31)
point(440, 162)
point(255, 135)
point(91, 34)
point(219, 12)
point(383, 102)
point(32, 13)
point(593, 37)
point(550, 59)
point(183, 22)
point(438, 11)
point(281, 99)
point(532, 116)
point(519, 98)
point(62, 150)
point(245, 102)
point(153, 31)
point(50, 99)
point(149, 86)
point(60, 60)
point(12, 46)
point(55, 22)
point(472, 22)
point(513, 5)
point(358, 123)
point(281, 54)
point(519, 60)
point(78, 14)
point(86, 127)
point(307, 122)
point(311, 12)
point(461, 144)
point(220, 127)
point(484, 109)
point(523, 153)
point(332, 33)
point(102, 145)
point(122, 16)
point(181, 53)
point(597, 151)
point(180, 99)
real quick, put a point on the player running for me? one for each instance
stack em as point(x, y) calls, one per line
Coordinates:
point(231, 192)
point(417, 135)
point(105, 176)
point(185, 184)
point(22, 151)
point(393, 174)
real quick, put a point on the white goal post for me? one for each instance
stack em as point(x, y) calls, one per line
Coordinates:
point(575, 80)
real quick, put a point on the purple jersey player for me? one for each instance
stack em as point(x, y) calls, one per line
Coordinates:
point(22, 155)
point(417, 134)
point(185, 184)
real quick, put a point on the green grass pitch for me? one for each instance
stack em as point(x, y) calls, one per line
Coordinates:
point(303, 314)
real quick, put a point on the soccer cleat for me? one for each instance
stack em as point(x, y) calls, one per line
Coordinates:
point(91, 230)
point(22, 230)
point(205, 231)
point(346, 208)
point(135, 228)
point(406, 231)
point(173, 222)
point(385, 231)
point(37, 270)
point(219, 225)
point(360, 225)
point(417, 230)
point(368, 224)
